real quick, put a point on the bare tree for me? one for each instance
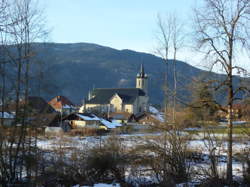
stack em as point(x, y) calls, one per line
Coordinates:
point(24, 25)
point(164, 39)
point(167, 159)
point(222, 28)
point(170, 38)
point(177, 42)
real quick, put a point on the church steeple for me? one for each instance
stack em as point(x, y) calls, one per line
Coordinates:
point(141, 80)
point(142, 73)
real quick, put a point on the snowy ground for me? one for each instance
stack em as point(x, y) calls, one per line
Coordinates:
point(101, 185)
point(131, 140)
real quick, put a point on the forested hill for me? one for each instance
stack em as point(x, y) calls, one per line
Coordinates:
point(74, 69)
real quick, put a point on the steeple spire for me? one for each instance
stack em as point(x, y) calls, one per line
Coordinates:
point(142, 73)
point(141, 79)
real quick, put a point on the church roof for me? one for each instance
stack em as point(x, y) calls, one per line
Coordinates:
point(103, 95)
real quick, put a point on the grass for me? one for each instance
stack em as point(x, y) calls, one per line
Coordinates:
point(240, 129)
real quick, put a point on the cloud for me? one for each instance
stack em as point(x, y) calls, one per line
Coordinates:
point(123, 82)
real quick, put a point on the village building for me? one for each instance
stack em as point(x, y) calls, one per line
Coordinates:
point(62, 104)
point(87, 120)
point(129, 100)
point(35, 106)
point(121, 117)
point(237, 111)
point(6, 118)
point(147, 118)
point(38, 111)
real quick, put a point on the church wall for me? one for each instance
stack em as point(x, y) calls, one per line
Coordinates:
point(142, 103)
point(88, 106)
point(135, 106)
point(139, 105)
point(102, 108)
point(129, 108)
point(116, 103)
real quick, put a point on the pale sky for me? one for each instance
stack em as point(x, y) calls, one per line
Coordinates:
point(120, 24)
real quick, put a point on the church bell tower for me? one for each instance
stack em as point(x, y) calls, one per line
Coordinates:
point(142, 80)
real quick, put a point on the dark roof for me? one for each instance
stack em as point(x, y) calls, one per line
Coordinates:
point(103, 95)
point(74, 116)
point(35, 103)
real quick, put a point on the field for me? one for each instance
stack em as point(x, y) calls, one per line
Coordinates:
point(201, 144)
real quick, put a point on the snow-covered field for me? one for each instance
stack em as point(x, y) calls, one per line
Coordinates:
point(129, 141)
point(101, 185)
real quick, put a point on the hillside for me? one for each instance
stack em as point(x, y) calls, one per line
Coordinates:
point(74, 69)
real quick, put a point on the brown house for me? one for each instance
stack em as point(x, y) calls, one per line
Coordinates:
point(146, 118)
point(62, 104)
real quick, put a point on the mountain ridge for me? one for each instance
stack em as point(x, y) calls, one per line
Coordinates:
point(76, 68)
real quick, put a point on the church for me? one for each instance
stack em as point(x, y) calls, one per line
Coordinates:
point(129, 100)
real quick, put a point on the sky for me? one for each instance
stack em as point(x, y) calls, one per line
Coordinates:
point(120, 24)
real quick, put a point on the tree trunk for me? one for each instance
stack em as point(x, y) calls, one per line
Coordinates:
point(230, 132)
point(175, 85)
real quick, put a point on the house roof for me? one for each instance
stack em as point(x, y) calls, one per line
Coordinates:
point(82, 116)
point(6, 115)
point(103, 95)
point(120, 115)
point(35, 103)
point(59, 102)
point(92, 117)
point(46, 119)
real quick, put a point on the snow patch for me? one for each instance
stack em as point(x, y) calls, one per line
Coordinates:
point(153, 110)
point(108, 124)
point(7, 115)
point(158, 117)
point(100, 185)
point(87, 118)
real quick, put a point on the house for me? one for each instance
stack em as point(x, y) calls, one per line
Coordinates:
point(147, 118)
point(37, 110)
point(6, 118)
point(237, 111)
point(88, 120)
point(46, 120)
point(120, 117)
point(130, 100)
point(35, 105)
point(79, 120)
point(62, 104)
